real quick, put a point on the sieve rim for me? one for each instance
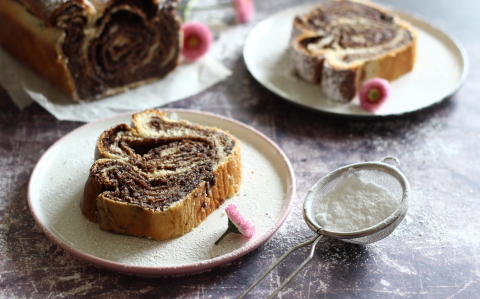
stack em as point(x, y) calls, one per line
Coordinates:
point(400, 211)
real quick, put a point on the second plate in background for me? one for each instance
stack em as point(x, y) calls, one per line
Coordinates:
point(440, 69)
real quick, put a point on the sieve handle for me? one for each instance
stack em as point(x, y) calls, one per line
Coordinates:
point(396, 162)
point(314, 240)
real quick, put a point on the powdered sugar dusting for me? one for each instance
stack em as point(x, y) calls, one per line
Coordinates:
point(305, 65)
point(385, 283)
point(356, 203)
point(56, 201)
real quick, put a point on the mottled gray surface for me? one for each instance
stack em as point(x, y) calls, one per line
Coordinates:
point(435, 252)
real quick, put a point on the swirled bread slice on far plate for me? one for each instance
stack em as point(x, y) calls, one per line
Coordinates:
point(341, 43)
point(160, 178)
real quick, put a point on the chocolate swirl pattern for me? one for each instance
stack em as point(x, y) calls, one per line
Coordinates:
point(93, 49)
point(160, 178)
point(341, 43)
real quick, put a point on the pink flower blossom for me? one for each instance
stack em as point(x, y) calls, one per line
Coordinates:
point(374, 93)
point(244, 10)
point(237, 224)
point(243, 225)
point(197, 39)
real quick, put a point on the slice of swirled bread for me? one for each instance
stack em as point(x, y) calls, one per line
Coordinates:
point(160, 178)
point(341, 43)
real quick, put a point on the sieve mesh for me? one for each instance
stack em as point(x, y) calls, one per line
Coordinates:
point(382, 174)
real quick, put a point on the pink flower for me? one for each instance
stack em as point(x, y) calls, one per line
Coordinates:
point(374, 93)
point(243, 10)
point(197, 39)
point(236, 224)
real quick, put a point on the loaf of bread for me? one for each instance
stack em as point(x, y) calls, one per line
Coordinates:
point(341, 43)
point(160, 178)
point(91, 49)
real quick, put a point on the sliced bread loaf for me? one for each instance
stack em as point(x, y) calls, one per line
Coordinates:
point(160, 178)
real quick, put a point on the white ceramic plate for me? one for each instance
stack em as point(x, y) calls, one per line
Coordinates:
point(57, 183)
point(441, 68)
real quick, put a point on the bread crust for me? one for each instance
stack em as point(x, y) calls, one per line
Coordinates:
point(178, 218)
point(395, 64)
point(34, 44)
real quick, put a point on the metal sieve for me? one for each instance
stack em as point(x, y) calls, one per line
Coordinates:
point(382, 174)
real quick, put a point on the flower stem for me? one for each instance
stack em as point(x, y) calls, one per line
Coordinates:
point(188, 10)
point(232, 228)
point(227, 232)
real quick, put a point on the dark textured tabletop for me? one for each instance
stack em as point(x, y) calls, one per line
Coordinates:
point(434, 253)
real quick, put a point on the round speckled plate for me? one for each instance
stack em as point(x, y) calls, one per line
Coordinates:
point(57, 183)
point(440, 69)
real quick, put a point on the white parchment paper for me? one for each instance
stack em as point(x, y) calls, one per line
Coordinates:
point(186, 80)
